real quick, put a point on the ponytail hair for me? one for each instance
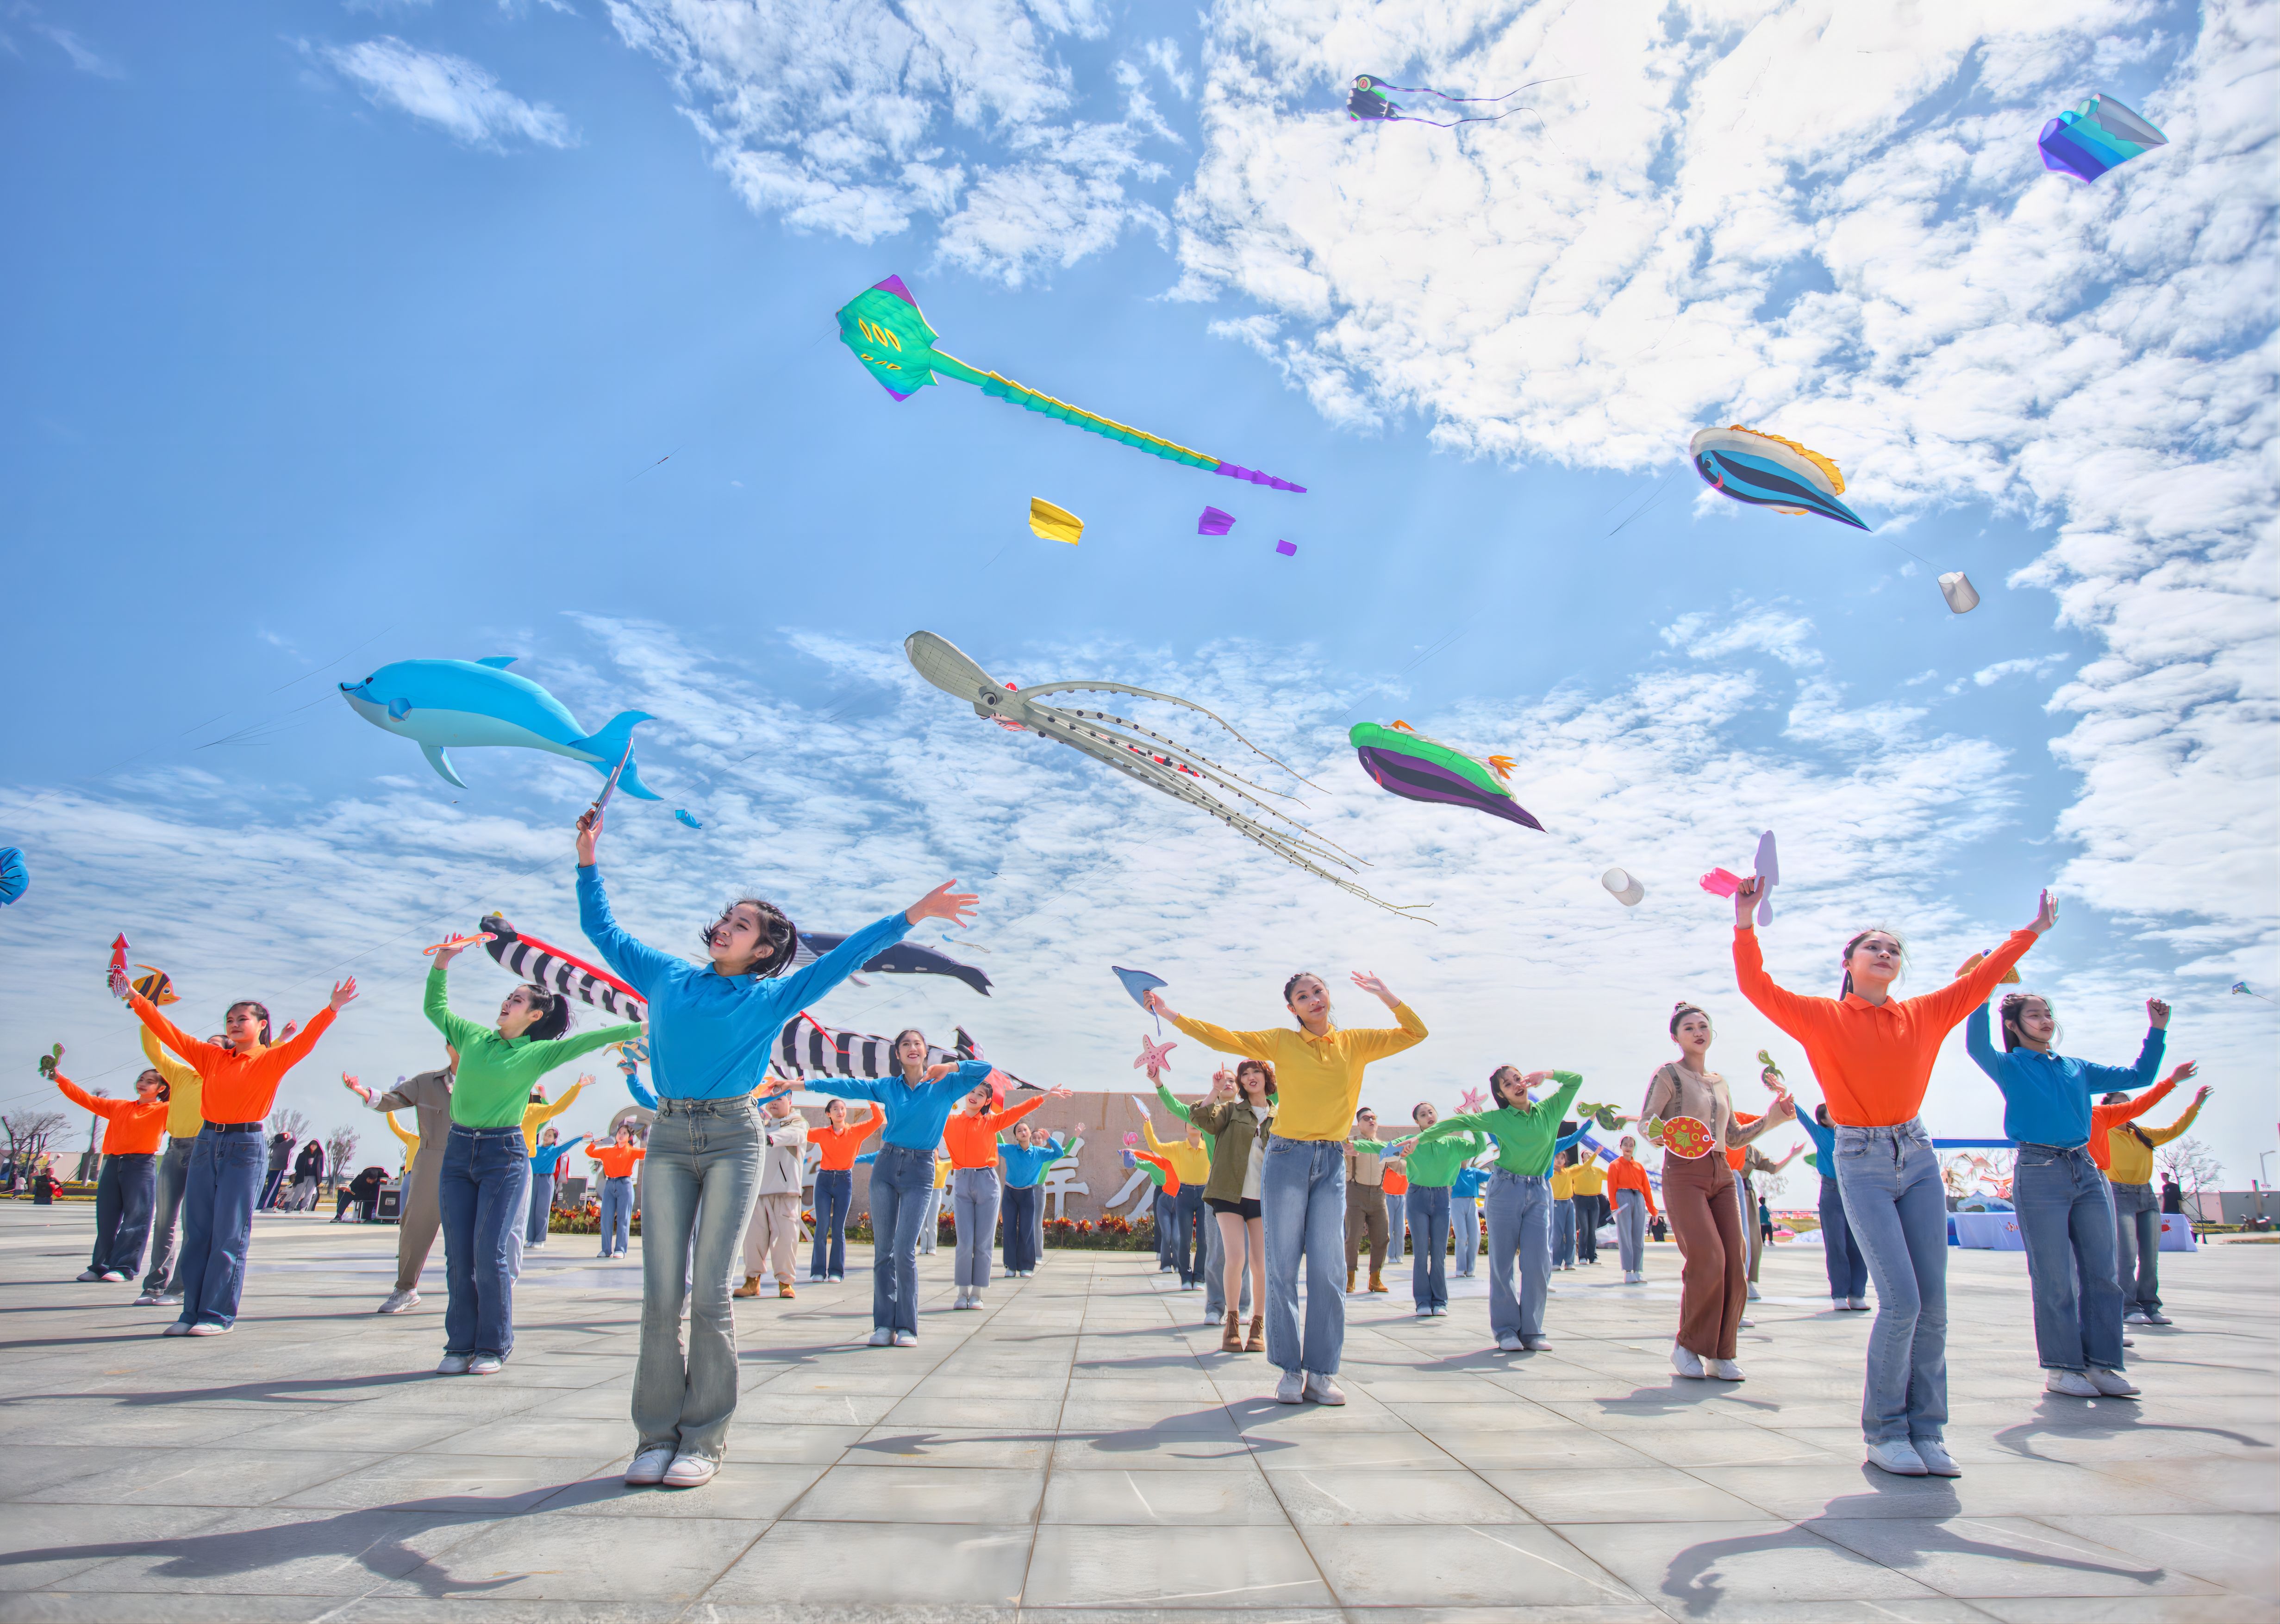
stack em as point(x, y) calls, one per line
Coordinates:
point(553, 1013)
point(1681, 1010)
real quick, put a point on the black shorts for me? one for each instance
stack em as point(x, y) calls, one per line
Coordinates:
point(1247, 1208)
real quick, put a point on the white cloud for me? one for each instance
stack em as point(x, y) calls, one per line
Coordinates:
point(1987, 676)
point(1831, 221)
point(1786, 635)
point(446, 90)
point(861, 117)
point(83, 56)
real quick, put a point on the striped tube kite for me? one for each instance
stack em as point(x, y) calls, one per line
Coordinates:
point(2096, 137)
point(882, 326)
point(1406, 762)
point(806, 1045)
point(1767, 471)
point(544, 965)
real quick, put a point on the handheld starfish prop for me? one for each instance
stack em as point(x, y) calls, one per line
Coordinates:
point(1154, 1057)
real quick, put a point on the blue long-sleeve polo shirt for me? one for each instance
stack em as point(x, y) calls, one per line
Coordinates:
point(2046, 1097)
point(914, 1115)
point(542, 1160)
point(710, 1035)
point(1022, 1166)
point(1824, 1144)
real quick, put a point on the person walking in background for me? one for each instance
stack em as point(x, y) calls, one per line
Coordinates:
point(185, 1120)
point(2130, 1170)
point(308, 1174)
point(420, 1214)
point(617, 1160)
point(1634, 1195)
point(280, 1160)
point(125, 1189)
point(836, 1144)
point(1318, 1070)
point(771, 1239)
point(1872, 1054)
point(1433, 1169)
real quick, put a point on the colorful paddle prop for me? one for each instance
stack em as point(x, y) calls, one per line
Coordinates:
point(1171, 1175)
point(452, 943)
point(1725, 882)
point(1137, 985)
point(1688, 1138)
point(883, 327)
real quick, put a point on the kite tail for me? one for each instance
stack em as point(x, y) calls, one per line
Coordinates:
point(1150, 693)
point(1174, 746)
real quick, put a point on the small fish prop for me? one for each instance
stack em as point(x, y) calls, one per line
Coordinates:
point(1725, 881)
point(1137, 985)
point(1767, 471)
point(1606, 1117)
point(681, 815)
point(2009, 978)
point(1154, 1057)
point(1624, 888)
point(1214, 523)
point(1689, 1138)
point(15, 876)
point(2094, 138)
point(450, 943)
point(50, 1061)
point(154, 987)
point(882, 327)
point(1406, 762)
point(1054, 524)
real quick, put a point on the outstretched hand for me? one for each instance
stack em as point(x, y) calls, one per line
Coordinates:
point(1155, 1002)
point(589, 836)
point(445, 955)
point(941, 903)
point(344, 995)
point(2184, 1073)
point(2157, 1014)
point(940, 1069)
point(1745, 900)
point(1378, 989)
point(2047, 913)
point(1059, 1091)
point(2201, 1093)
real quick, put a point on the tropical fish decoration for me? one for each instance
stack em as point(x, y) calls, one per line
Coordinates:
point(1406, 762)
point(1767, 471)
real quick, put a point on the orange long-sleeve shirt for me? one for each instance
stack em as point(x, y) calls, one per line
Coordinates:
point(972, 1140)
point(238, 1087)
point(1625, 1174)
point(1872, 1060)
point(2105, 1119)
point(1738, 1156)
point(617, 1160)
point(130, 1127)
point(837, 1146)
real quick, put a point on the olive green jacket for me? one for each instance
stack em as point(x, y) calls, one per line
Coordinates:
point(1231, 1128)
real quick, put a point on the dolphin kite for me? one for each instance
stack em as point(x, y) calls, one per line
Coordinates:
point(440, 704)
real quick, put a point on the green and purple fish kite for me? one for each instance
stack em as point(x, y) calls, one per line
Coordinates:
point(882, 326)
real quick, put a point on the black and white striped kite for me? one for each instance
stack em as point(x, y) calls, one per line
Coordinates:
point(547, 966)
point(806, 1045)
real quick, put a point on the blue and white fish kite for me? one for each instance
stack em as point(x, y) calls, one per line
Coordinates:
point(441, 705)
point(1767, 471)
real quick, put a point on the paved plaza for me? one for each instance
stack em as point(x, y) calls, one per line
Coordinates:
point(1081, 1450)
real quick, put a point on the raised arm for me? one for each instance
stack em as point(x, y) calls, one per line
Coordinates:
point(998, 1119)
point(810, 982)
point(177, 1074)
point(457, 1030)
point(1449, 1128)
point(854, 1088)
point(2162, 1136)
point(2114, 1116)
point(1789, 1010)
point(562, 1050)
point(639, 965)
point(1172, 1102)
point(104, 1108)
point(1975, 985)
point(1376, 1043)
point(1980, 1045)
point(294, 1050)
point(197, 1053)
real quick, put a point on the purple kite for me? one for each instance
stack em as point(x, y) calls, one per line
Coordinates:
point(1214, 523)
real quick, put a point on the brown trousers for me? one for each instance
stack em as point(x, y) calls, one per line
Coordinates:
point(1365, 1211)
point(1714, 1284)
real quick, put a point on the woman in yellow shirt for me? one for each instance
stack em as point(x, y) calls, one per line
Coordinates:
point(1563, 1211)
point(1318, 1075)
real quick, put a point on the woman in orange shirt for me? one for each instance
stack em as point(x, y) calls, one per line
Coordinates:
point(971, 1134)
point(835, 1144)
point(125, 1191)
point(1872, 1054)
point(617, 1160)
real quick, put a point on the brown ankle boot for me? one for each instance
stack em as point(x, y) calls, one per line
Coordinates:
point(1230, 1338)
point(1350, 1280)
point(751, 1287)
point(1256, 1342)
point(1376, 1282)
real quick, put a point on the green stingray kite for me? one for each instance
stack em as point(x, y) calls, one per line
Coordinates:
point(882, 326)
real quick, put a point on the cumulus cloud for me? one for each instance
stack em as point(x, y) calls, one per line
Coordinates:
point(862, 118)
point(446, 90)
point(1830, 222)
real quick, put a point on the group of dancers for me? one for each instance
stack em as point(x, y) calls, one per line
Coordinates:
point(1284, 1155)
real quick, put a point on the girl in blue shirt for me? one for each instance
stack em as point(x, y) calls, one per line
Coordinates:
point(2065, 1218)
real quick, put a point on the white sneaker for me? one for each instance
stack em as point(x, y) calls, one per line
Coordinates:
point(975, 1301)
point(1753, 1292)
point(1536, 1345)
point(1745, 1325)
point(88, 1277)
point(1440, 1310)
point(2073, 1383)
point(148, 1299)
point(1291, 1388)
point(397, 1302)
point(1508, 1344)
point(906, 1339)
point(1899, 1458)
point(175, 1328)
point(207, 1327)
point(1322, 1391)
point(648, 1467)
point(1938, 1462)
point(2112, 1383)
point(960, 1303)
point(881, 1337)
point(455, 1364)
point(1725, 1370)
point(113, 1276)
point(2136, 1316)
point(1686, 1362)
point(1838, 1305)
point(1859, 1304)
point(484, 1364)
point(2154, 1316)
point(690, 1472)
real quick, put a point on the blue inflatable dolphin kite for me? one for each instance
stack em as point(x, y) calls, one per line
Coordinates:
point(440, 704)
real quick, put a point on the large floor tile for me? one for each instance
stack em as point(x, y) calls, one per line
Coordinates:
point(1172, 1567)
point(874, 1493)
point(925, 1566)
point(1469, 1565)
point(1330, 1496)
point(1212, 1497)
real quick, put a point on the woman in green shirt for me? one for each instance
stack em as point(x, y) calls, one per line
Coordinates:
point(1518, 1198)
point(486, 1188)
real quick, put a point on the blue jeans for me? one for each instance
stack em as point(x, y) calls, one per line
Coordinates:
point(2067, 1224)
point(703, 1176)
point(2137, 1247)
point(1847, 1265)
point(834, 1194)
point(484, 1201)
point(1020, 1213)
point(1522, 1217)
point(123, 1192)
point(1162, 1212)
point(1896, 1204)
point(1563, 1232)
point(1188, 1220)
point(1429, 1266)
point(226, 1173)
point(617, 1215)
point(174, 1179)
point(1302, 1194)
point(902, 1198)
point(1396, 1215)
point(1466, 1211)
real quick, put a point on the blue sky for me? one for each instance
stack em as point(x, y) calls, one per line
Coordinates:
point(346, 336)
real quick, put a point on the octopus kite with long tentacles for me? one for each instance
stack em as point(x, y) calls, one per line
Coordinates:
point(1155, 760)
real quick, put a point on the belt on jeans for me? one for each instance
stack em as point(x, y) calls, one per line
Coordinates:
point(2055, 1150)
point(232, 1127)
point(478, 1133)
point(886, 1150)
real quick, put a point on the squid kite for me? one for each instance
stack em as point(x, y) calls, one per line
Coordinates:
point(1158, 762)
point(882, 326)
point(1406, 762)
